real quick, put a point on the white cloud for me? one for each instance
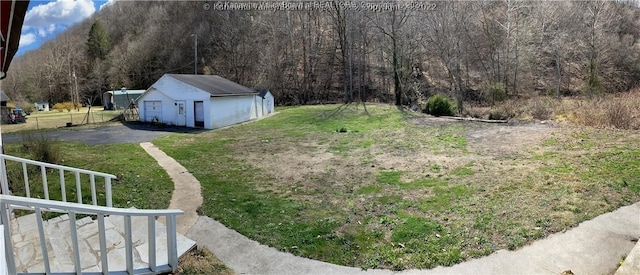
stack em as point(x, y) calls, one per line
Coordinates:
point(108, 3)
point(45, 18)
point(44, 31)
point(27, 39)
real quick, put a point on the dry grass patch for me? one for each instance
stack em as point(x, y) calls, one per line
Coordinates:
point(201, 261)
point(621, 112)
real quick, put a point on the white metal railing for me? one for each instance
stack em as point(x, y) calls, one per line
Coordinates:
point(39, 205)
point(62, 171)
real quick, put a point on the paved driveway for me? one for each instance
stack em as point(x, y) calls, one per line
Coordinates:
point(125, 133)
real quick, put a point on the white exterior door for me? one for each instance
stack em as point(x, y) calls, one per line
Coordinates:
point(153, 111)
point(260, 106)
point(181, 118)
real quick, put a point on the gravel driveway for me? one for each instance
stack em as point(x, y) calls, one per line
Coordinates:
point(119, 133)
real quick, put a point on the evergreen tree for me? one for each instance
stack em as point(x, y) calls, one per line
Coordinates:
point(98, 43)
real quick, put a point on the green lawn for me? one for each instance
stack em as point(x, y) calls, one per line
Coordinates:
point(141, 183)
point(388, 193)
point(376, 189)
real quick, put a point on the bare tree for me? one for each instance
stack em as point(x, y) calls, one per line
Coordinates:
point(391, 24)
point(305, 57)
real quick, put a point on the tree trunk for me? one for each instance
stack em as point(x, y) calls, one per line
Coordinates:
point(396, 75)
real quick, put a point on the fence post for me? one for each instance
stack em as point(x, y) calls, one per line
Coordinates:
point(37, 124)
point(10, 260)
point(3, 177)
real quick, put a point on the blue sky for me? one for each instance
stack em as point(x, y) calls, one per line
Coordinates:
point(46, 19)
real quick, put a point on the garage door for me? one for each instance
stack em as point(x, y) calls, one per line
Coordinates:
point(153, 111)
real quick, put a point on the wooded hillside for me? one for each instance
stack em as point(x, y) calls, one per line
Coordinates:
point(470, 50)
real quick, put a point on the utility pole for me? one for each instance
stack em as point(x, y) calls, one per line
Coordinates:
point(76, 95)
point(195, 53)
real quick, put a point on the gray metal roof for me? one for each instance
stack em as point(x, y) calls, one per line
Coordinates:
point(3, 96)
point(263, 92)
point(213, 84)
point(130, 92)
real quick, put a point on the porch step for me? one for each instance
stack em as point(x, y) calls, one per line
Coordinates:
point(28, 252)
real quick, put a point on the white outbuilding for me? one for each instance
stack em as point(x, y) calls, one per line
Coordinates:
point(206, 101)
point(42, 105)
point(266, 100)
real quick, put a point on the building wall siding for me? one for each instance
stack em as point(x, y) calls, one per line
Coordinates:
point(231, 110)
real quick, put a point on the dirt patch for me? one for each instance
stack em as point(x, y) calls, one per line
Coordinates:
point(310, 168)
point(300, 165)
point(496, 139)
point(294, 166)
point(422, 164)
point(508, 139)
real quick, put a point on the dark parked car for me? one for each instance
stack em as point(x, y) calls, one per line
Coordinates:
point(18, 116)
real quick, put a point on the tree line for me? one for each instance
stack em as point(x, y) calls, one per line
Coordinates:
point(478, 51)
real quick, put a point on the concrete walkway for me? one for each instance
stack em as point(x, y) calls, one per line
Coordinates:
point(186, 194)
point(594, 247)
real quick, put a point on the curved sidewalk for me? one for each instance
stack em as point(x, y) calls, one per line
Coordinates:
point(593, 247)
point(186, 188)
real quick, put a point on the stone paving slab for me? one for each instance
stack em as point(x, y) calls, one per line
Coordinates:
point(28, 252)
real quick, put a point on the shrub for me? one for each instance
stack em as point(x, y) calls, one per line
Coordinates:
point(541, 110)
point(69, 106)
point(505, 111)
point(438, 105)
point(619, 115)
point(58, 107)
point(42, 148)
point(498, 115)
point(594, 86)
point(621, 112)
point(61, 106)
point(496, 92)
point(476, 112)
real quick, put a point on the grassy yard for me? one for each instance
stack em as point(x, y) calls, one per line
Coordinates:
point(383, 189)
point(397, 190)
point(142, 183)
point(55, 119)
